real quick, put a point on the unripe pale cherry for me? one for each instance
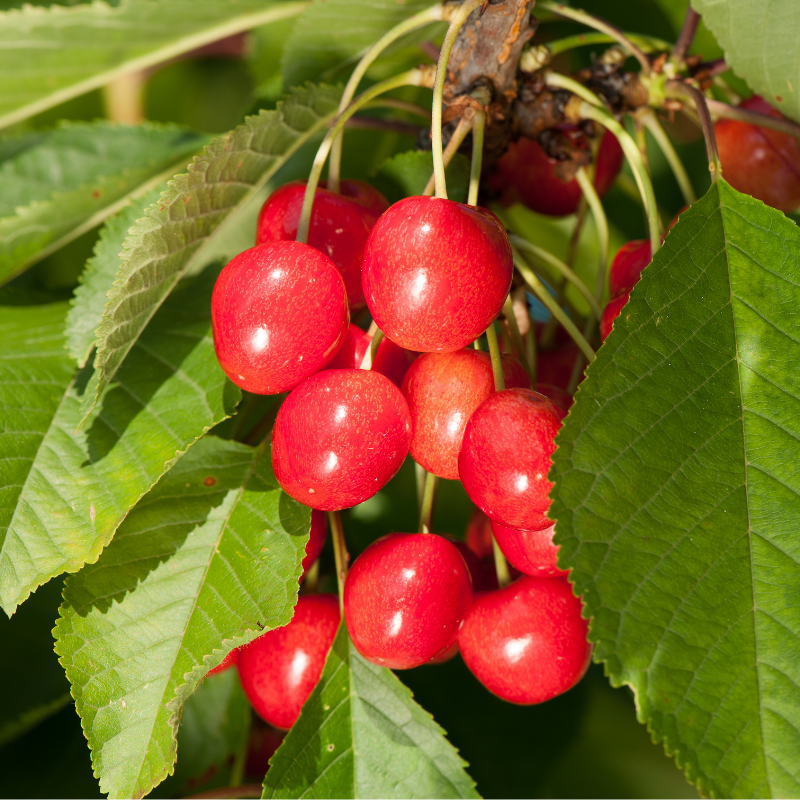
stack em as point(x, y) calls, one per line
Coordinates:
point(531, 552)
point(280, 668)
point(405, 598)
point(340, 437)
point(443, 390)
point(316, 540)
point(526, 643)
point(436, 273)
point(279, 314)
point(612, 310)
point(391, 360)
point(505, 457)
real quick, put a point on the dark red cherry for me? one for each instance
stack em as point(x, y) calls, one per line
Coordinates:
point(531, 552)
point(443, 390)
point(479, 534)
point(527, 174)
point(227, 662)
point(405, 598)
point(339, 437)
point(526, 643)
point(280, 668)
point(612, 310)
point(339, 227)
point(554, 367)
point(560, 397)
point(627, 266)
point(279, 314)
point(316, 540)
point(264, 741)
point(391, 360)
point(480, 580)
point(364, 194)
point(505, 457)
point(436, 273)
point(760, 161)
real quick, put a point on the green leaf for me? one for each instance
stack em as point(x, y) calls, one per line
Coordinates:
point(331, 34)
point(214, 550)
point(361, 734)
point(74, 177)
point(760, 46)
point(80, 485)
point(407, 174)
point(170, 239)
point(677, 497)
point(50, 55)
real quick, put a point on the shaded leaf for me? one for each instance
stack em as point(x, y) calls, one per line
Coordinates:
point(407, 174)
point(213, 550)
point(677, 497)
point(361, 734)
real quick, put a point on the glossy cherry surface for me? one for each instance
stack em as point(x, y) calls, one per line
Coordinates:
point(526, 643)
point(505, 457)
point(227, 662)
point(627, 266)
point(436, 273)
point(405, 598)
point(316, 540)
point(531, 552)
point(281, 667)
point(527, 174)
point(612, 310)
point(760, 161)
point(279, 314)
point(339, 437)
point(443, 390)
point(391, 360)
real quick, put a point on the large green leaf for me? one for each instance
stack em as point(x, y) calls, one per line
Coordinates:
point(361, 734)
point(68, 501)
point(210, 555)
point(760, 43)
point(678, 493)
point(169, 241)
point(49, 55)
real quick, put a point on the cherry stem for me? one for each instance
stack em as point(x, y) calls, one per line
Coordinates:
point(312, 578)
point(369, 356)
point(556, 80)
point(432, 14)
point(459, 134)
point(720, 109)
point(599, 25)
point(411, 78)
point(428, 499)
point(647, 44)
point(339, 553)
point(685, 37)
point(653, 124)
point(684, 91)
point(460, 17)
point(494, 354)
point(542, 255)
point(478, 125)
point(402, 105)
point(419, 475)
point(539, 289)
point(516, 338)
point(601, 223)
point(500, 565)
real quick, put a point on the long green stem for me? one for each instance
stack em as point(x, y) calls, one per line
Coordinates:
point(478, 125)
point(647, 44)
point(339, 553)
point(558, 81)
point(459, 134)
point(683, 90)
point(516, 338)
point(369, 356)
point(411, 78)
point(497, 363)
point(428, 499)
point(500, 565)
point(653, 124)
point(459, 19)
point(720, 109)
point(432, 14)
point(601, 223)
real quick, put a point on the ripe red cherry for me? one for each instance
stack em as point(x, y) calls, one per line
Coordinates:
point(526, 643)
point(405, 598)
point(612, 310)
point(479, 534)
point(279, 314)
point(316, 540)
point(390, 360)
point(280, 668)
point(339, 437)
point(531, 552)
point(339, 226)
point(505, 457)
point(364, 194)
point(443, 390)
point(527, 174)
point(554, 367)
point(481, 579)
point(436, 273)
point(227, 662)
point(760, 161)
point(627, 266)
point(560, 397)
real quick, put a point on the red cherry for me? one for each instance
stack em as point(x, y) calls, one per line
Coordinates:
point(339, 227)
point(340, 437)
point(279, 314)
point(448, 654)
point(479, 534)
point(481, 582)
point(390, 360)
point(554, 367)
point(405, 598)
point(505, 457)
point(436, 273)
point(264, 741)
point(280, 668)
point(364, 194)
point(531, 552)
point(760, 161)
point(526, 643)
point(612, 310)
point(627, 266)
point(526, 173)
point(227, 662)
point(560, 397)
point(443, 390)
point(316, 540)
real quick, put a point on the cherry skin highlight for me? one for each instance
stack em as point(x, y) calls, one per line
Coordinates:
point(526, 643)
point(505, 457)
point(280, 668)
point(531, 552)
point(627, 266)
point(612, 310)
point(443, 390)
point(405, 598)
point(278, 314)
point(390, 360)
point(436, 273)
point(316, 540)
point(340, 437)
point(760, 161)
